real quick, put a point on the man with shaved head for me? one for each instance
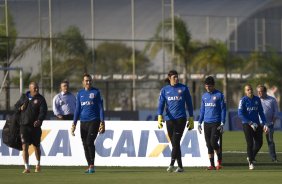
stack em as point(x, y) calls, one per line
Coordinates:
point(33, 110)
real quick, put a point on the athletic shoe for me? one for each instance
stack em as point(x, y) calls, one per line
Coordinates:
point(178, 169)
point(211, 168)
point(37, 169)
point(274, 160)
point(26, 171)
point(90, 170)
point(170, 168)
point(251, 166)
point(218, 167)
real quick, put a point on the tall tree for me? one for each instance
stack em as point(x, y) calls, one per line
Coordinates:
point(184, 48)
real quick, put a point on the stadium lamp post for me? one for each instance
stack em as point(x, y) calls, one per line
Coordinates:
point(51, 49)
point(133, 56)
point(92, 35)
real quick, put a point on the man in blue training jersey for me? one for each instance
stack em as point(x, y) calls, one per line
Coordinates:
point(270, 109)
point(212, 113)
point(174, 97)
point(250, 111)
point(90, 111)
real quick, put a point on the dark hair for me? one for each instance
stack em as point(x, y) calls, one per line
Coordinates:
point(209, 80)
point(65, 82)
point(170, 73)
point(264, 89)
point(86, 75)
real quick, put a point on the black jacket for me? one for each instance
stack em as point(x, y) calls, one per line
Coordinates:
point(35, 109)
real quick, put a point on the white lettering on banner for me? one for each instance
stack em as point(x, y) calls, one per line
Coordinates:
point(137, 141)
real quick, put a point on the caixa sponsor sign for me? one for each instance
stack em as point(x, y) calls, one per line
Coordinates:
point(125, 143)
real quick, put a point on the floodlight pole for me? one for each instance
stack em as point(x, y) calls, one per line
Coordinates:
point(133, 55)
point(51, 49)
point(92, 35)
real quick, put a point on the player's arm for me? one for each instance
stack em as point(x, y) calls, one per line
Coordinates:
point(223, 109)
point(188, 101)
point(202, 114)
point(261, 113)
point(42, 113)
point(77, 109)
point(161, 106)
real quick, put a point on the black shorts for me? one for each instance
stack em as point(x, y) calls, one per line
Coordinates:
point(30, 135)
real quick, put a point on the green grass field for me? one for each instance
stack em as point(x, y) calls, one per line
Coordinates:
point(235, 170)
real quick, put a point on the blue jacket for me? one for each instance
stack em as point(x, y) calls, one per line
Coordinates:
point(174, 98)
point(89, 106)
point(213, 108)
point(250, 109)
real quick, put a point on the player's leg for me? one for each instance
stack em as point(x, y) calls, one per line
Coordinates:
point(36, 138)
point(271, 144)
point(208, 131)
point(258, 140)
point(179, 129)
point(25, 138)
point(248, 132)
point(215, 136)
point(83, 133)
point(170, 131)
point(91, 136)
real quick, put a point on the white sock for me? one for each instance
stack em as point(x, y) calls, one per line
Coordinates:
point(38, 162)
point(26, 166)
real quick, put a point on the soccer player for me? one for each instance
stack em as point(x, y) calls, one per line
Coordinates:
point(212, 113)
point(270, 109)
point(174, 97)
point(90, 111)
point(64, 103)
point(33, 110)
point(250, 112)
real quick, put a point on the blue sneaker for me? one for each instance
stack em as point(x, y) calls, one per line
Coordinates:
point(90, 170)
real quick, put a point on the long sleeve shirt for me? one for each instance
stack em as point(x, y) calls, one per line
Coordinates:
point(213, 108)
point(173, 99)
point(270, 109)
point(64, 104)
point(251, 110)
point(89, 106)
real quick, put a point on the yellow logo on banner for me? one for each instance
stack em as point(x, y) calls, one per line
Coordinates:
point(159, 148)
point(43, 136)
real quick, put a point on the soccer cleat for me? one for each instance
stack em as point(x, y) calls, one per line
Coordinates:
point(37, 169)
point(218, 167)
point(90, 170)
point(26, 171)
point(251, 166)
point(170, 168)
point(178, 169)
point(211, 168)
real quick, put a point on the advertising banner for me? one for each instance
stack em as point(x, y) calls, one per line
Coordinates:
point(125, 143)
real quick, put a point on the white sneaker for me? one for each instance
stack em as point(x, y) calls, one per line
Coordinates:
point(170, 168)
point(178, 169)
point(251, 166)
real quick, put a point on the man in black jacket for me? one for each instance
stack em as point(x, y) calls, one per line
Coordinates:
point(33, 110)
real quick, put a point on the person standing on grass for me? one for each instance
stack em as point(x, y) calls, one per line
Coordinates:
point(174, 97)
point(212, 113)
point(33, 110)
point(250, 112)
point(90, 111)
point(270, 109)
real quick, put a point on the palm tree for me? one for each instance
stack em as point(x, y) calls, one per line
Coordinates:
point(185, 49)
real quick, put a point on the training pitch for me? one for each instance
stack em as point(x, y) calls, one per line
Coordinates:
point(235, 170)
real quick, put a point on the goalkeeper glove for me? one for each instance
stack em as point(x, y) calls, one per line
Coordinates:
point(73, 126)
point(190, 124)
point(102, 128)
point(200, 128)
point(160, 121)
point(254, 126)
point(220, 128)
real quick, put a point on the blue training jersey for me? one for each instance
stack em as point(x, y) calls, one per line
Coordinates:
point(174, 98)
point(89, 106)
point(213, 108)
point(250, 109)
